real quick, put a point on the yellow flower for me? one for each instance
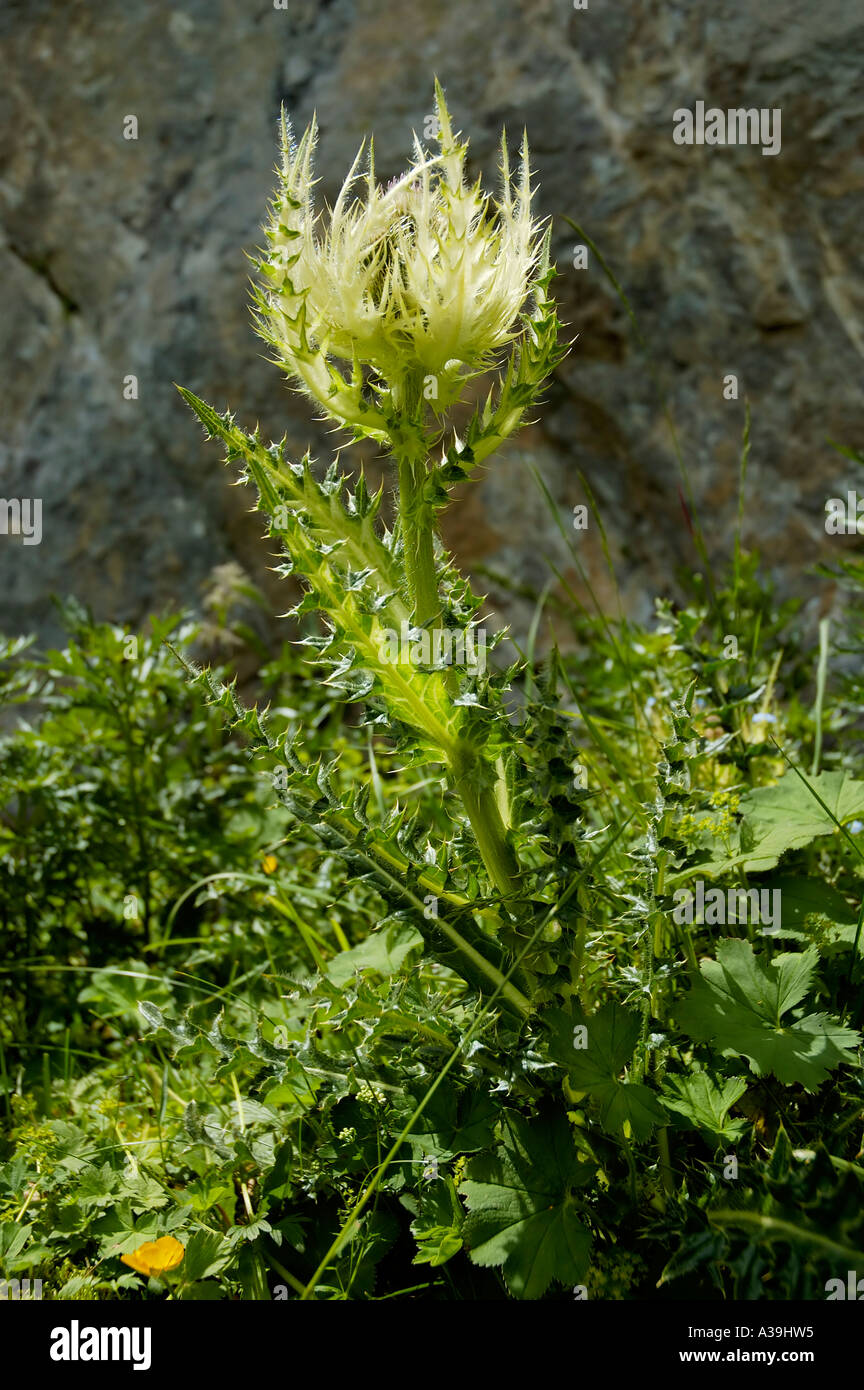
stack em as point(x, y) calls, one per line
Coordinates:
point(155, 1257)
point(423, 280)
point(269, 863)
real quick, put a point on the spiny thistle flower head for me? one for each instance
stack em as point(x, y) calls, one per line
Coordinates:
point(423, 280)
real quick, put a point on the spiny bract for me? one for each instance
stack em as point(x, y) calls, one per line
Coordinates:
point(424, 278)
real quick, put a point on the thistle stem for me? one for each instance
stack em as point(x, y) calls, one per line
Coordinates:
point(418, 545)
point(481, 808)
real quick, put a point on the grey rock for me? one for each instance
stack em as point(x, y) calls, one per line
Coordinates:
point(125, 257)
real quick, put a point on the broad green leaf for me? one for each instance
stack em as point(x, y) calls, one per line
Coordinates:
point(595, 1050)
point(770, 991)
point(738, 1001)
point(788, 816)
point(522, 1211)
point(384, 951)
point(813, 911)
point(609, 1039)
point(454, 1122)
point(802, 897)
point(705, 1103)
point(628, 1103)
point(791, 799)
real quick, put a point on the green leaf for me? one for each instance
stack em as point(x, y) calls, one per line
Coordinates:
point(384, 951)
point(596, 1049)
point(13, 1238)
point(207, 1253)
point(738, 1004)
point(696, 1250)
point(791, 798)
point(705, 1103)
point(522, 1212)
point(804, 897)
point(438, 1222)
point(788, 816)
point(437, 1245)
point(624, 1103)
point(609, 1038)
point(813, 911)
point(454, 1122)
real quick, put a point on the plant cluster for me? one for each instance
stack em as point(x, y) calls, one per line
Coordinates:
point(452, 1035)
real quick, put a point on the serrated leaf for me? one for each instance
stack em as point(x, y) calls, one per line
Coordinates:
point(522, 1213)
point(705, 1103)
point(629, 1103)
point(738, 1002)
point(788, 816)
point(207, 1253)
point(385, 951)
point(454, 1122)
point(696, 1250)
point(595, 1050)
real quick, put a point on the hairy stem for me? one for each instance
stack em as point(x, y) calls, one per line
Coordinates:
point(417, 522)
point(478, 798)
point(418, 544)
point(482, 810)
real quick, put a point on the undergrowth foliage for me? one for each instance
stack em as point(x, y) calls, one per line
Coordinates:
point(484, 1001)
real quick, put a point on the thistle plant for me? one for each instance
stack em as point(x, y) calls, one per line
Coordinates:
point(520, 1027)
point(383, 312)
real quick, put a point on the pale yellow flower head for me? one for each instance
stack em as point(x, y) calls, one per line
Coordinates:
point(422, 280)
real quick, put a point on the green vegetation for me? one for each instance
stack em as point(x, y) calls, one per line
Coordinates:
point(261, 1005)
point(403, 978)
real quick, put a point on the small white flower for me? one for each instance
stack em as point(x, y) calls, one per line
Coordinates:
point(370, 1095)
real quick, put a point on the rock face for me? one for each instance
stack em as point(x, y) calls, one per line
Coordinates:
point(123, 258)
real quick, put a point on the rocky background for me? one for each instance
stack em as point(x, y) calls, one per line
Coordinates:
point(122, 257)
